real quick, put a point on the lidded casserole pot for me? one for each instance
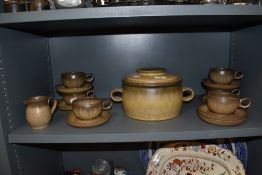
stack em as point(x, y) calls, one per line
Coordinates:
point(152, 94)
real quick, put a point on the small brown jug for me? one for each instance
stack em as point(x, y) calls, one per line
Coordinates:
point(38, 112)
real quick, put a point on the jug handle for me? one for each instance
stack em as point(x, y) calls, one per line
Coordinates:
point(52, 101)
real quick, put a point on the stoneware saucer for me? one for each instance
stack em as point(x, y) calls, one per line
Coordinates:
point(220, 119)
point(194, 160)
point(64, 90)
point(63, 106)
point(72, 120)
point(234, 85)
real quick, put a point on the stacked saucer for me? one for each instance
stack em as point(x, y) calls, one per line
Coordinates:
point(74, 85)
point(89, 112)
point(222, 104)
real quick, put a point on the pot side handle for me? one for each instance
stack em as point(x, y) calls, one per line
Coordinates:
point(114, 95)
point(190, 93)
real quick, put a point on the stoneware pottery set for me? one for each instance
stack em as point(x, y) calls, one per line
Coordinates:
point(78, 98)
point(194, 159)
point(152, 94)
point(222, 104)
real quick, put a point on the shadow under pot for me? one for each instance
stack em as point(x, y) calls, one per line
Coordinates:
point(152, 94)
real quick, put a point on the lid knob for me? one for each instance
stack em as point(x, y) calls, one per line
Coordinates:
point(151, 71)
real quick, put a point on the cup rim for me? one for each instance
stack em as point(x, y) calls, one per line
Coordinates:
point(220, 69)
point(70, 74)
point(81, 100)
point(33, 99)
point(221, 94)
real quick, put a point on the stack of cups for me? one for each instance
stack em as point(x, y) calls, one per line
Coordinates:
point(75, 85)
point(222, 102)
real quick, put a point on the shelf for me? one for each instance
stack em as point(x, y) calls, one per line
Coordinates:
point(120, 128)
point(134, 19)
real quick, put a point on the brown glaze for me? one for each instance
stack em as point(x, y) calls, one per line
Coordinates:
point(64, 90)
point(38, 5)
point(38, 112)
point(233, 85)
point(152, 94)
point(223, 75)
point(89, 108)
point(72, 120)
point(12, 6)
point(152, 104)
point(63, 106)
point(225, 102)
point(69, 98)
point(76, 79)
point(238, 117)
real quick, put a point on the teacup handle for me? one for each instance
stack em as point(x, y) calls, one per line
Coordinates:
point(52, 101)
point(115, 97)
point(244, 103)
point(236, 91)
point(90, 93)
point(107, 104)
point(189, 91)
point(89, 77)
point(238, 75)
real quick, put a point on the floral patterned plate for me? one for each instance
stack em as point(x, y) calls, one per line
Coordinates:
point(194, 160)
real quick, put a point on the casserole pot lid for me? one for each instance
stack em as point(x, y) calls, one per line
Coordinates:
point(151, 77)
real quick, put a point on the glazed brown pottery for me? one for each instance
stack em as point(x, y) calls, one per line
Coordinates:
point(72, 120)
point(63, 106)
point(76, 79)
point(12, 6)
point(64, 90)
point(223, 75)
point(69, 98)
point(233, 85)
point(38, 5)
point(152, 94)
point(38, 112)
point(89, 108)
point(239, 116)
point(234, 91)
point(226, 102)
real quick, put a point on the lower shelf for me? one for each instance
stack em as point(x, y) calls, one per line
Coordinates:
point(120, 128)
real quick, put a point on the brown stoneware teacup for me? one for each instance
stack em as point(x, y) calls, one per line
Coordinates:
point(39, 110)
point(69, 98)
point(89, 108)
point(223, 75)
point(225, 102)
point(76, 79)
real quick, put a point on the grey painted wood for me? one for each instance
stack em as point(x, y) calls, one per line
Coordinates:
point(129, 19)
point(120, 128)
point(246, 49)
point(25, 73)
point(254, 156)
point(111, 57)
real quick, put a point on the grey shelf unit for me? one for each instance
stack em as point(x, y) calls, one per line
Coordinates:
point(36, 47)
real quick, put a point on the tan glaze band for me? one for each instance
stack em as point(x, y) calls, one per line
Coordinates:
point(116, 97)
point(190, 92)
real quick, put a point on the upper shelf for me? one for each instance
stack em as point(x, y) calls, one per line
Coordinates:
point(120, 128)
point(134, 19)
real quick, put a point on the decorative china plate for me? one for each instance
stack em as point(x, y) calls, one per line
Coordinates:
point(194, 160)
